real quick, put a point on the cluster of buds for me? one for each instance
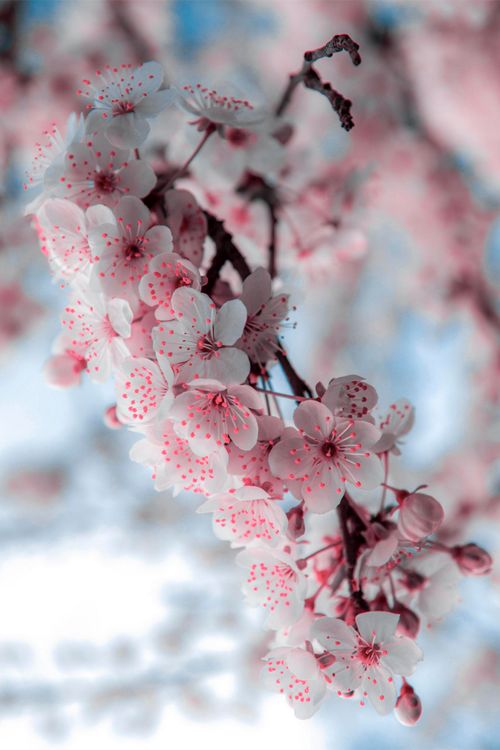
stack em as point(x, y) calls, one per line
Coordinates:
point(343, 588)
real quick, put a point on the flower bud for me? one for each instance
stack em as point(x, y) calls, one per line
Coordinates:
point(472, 560)
point(408, 706)
point(409, 622)
point(419, 516)
point(296, 525)
point(110, 418)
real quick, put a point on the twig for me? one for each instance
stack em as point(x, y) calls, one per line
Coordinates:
point(311, 80)
point(351, 527)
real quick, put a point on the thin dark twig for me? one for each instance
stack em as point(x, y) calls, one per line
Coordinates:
point(225, 251)
point(273, 222)
point(310, 78)
point(351, 528)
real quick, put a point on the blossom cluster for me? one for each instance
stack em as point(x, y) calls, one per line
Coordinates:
point(344, 588)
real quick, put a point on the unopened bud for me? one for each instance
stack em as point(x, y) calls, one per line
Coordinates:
point(409, 622)
point(419, 516)
point(111, 420)
point(408, 706)
point(296, 525)
point(472, 560)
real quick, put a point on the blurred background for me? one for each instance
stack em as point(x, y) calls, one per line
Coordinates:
point(122, 623)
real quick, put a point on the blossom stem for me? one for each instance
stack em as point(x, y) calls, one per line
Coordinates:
point(385, 461)
point(352, 539)
point(181, 172)
point(323, 549)
point(280, 395)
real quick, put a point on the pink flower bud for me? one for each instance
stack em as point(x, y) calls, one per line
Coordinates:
point(472, 560)
point(111, 419)
point(408, 706)
point(419, 516)
point(409, 622)
point(296, 526)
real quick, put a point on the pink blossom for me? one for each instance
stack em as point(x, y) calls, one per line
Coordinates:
point(98, 326)
point(199, 342)
point(367, 657)
point(64, 368)
point(143, 390)
point(51, 154)
point(395, 425)
point(253, 465)
point(97, 172)
point(175, 465)
point(213, 109)
point(275, 583)
point(167, 272)
point(122, 251)
point(187, 223)
point(265, 314)
point(64, 236)
point(429, 584)
point(350, 397)
point(211, 414)
point(124, 100)
point(246, 515)
point(328, 453)
point(295, 673)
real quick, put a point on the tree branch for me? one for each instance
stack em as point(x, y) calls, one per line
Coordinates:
point(310, 78)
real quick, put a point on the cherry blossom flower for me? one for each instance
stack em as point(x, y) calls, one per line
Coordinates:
point(64, 368)
point(295, 672)
point(350, 397)
point(420, 515)
point(429, 583)
point(265, 314)
point(167, 272)
point(395, 425)
point(212, 109)
point(122, 251)
point(64, 235)
point(253, 465)
point(99, 326)
point(97, 172)
point(367, 657)
point(51, 154)
point(246, 515)
point(124, 100)
point(328, 453)
point(210, 415)
point(187, 223)
point(175, 465)
point(199, 343)
point(143, 389)
point(275, 583)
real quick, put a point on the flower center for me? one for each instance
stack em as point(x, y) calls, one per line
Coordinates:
point(238, 137)
point(207, 347)
point(122, 108)
point(329, 449)
point(219, 401)
point(133, 251)
point(105, 182)
point(369, 654)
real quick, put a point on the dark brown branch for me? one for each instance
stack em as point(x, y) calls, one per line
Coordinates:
point(226, 250)
point(351, 528)
point(311, 80)
point(139, 43)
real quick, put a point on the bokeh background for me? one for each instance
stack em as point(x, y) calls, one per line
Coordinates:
point(121, 623)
